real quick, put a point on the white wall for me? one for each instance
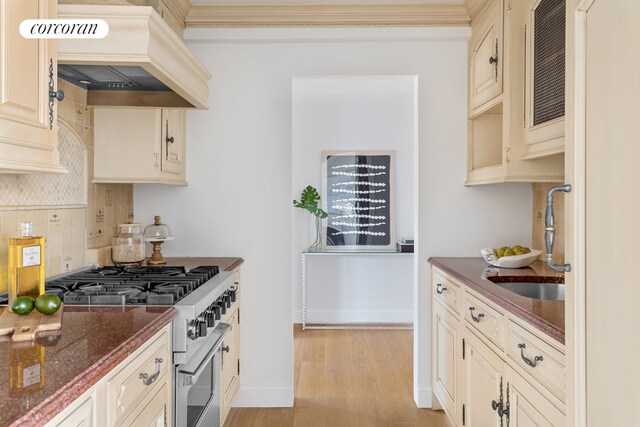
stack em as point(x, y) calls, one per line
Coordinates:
point(354, 113)
point(239, 169)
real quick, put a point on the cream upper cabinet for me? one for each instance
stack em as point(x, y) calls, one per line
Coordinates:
point(28, 117)
point(485, 56)
point(545, 78)
point(497, 146)
point(139, 145)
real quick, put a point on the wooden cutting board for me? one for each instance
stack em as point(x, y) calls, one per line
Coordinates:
point(25, 327)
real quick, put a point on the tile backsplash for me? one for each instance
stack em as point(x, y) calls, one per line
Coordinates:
point(539, 207)
point(77, 218)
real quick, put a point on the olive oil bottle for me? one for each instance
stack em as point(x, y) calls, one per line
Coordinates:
point(26, 264)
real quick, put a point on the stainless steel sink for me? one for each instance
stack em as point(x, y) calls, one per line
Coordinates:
point(536, 290)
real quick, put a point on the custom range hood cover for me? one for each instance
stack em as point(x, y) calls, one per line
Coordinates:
point(141, 62)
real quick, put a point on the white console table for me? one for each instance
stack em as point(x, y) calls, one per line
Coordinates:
point(349, 325)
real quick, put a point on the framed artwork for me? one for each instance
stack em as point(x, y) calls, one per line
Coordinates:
point(358, 195)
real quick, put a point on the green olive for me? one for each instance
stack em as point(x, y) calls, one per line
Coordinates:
point(47, 303)
point(22, 305)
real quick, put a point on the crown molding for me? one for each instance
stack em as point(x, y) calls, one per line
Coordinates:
point(325, 15)
point(180, 6)
point(474, 7)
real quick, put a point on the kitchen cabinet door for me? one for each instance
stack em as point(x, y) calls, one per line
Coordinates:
point(527, 406)
point(172, 139)
point(485, 49)
point(545, 78)
point(131, 145)
point(230, 364)
point(602, 215)
point(81, 413)
point(484, 379)
point(28, 133)
point(447, 345)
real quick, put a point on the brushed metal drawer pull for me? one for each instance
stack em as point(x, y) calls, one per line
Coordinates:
point(148, 380)
point(440, 289)
point(476, 318)
point(528, 361)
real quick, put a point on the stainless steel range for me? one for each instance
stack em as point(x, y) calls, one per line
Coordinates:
point(201, 296)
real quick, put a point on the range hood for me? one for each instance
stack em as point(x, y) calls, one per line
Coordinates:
point(142, 62)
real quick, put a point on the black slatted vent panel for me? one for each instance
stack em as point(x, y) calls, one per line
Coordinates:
point(549, 66)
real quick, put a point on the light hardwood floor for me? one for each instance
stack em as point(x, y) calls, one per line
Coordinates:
point(345, 379)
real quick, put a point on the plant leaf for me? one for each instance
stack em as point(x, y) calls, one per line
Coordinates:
point(309, 201)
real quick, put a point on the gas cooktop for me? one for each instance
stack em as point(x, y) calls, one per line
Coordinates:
point(131, 286)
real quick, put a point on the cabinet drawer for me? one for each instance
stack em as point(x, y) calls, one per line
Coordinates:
point(126, 389)
point(483, 318)
point(549, 370)
point(447, 292)
point(155, 413)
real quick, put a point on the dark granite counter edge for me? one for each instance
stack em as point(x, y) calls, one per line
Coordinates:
point(532, 319)
point(66, 395)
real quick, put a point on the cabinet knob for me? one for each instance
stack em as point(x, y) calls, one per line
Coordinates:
point(225, 349)
point(440, 289)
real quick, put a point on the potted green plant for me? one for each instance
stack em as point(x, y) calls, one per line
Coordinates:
point(309, 201)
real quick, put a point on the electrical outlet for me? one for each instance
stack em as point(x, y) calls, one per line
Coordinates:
point(539, 216)
point(67, 264)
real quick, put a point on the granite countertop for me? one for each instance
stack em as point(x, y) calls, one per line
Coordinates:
point(545, 315)
point(66, 363)
point(63, 365)
point(225, 263)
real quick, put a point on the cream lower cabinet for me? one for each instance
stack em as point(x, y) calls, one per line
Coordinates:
point(137, 392)
point(446, 359)
point(230, 375)
point(480, 377)
point(28, 122)
point(482, 382)
point(139, 145)
point(527, 406)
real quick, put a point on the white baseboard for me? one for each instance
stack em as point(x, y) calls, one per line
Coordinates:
point(355, 316)
point(423, 396)
point(264, 397)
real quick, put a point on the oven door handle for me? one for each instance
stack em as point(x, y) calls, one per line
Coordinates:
point(184, 369)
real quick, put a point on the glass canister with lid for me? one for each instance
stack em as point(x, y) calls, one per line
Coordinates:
point(128, 245)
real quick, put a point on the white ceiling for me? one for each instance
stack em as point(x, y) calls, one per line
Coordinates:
point(234, 2)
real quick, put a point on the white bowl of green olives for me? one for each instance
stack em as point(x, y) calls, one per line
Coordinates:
point(510, 257)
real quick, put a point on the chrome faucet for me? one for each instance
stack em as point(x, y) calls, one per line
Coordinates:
point(550, 228)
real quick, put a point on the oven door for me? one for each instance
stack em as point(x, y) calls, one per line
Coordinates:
point(198, 383)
